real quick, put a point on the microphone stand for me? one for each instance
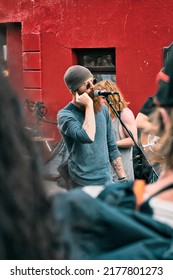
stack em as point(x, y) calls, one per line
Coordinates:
point(139, 149)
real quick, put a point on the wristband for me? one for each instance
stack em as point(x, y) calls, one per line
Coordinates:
point(122, 179)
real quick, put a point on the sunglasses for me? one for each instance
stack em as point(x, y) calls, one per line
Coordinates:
point(88, 84)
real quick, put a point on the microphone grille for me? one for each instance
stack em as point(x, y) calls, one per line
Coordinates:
point(96, 93)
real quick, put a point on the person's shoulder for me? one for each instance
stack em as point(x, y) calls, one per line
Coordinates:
point(105, 111)
point(127, 113)
point(104, 108)
point(127, 110)
point(68, 108)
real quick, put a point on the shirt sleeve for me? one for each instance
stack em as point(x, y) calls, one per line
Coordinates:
point(112, 146)
point(71, 127)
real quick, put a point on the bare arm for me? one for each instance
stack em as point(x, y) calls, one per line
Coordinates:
point(142, 122)
point(128, 119)
point(89, 124)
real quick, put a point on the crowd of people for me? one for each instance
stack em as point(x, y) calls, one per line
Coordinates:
point(97, 218)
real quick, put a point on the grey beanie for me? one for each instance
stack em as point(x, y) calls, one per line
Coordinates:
point(75, 76)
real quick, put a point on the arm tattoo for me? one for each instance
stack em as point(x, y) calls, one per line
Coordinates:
point(118, 167)
point(86, 125)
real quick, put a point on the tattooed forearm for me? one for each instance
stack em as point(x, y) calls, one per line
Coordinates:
point(89, 124)
point(86, 125)
point(118, 167)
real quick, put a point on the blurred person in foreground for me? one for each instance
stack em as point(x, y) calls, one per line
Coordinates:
point(161, 125)
point(123, 140)
point(147, 141)
point(103, 228)
point(142, 118)
point(27, 227)
point(86, 128)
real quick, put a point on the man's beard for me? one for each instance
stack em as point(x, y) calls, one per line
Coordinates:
point(96, 102)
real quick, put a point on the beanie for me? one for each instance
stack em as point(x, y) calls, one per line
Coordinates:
point(75, 76)
point(164, 95)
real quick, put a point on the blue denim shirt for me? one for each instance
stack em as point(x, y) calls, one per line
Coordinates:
point(89, 161)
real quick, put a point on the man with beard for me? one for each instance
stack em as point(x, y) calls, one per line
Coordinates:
point(86, 128)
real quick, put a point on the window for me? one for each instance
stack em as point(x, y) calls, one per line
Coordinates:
point(101, 62)
point(3, 48)
point(11, 53)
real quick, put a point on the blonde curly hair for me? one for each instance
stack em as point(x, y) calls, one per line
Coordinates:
point(117, 100)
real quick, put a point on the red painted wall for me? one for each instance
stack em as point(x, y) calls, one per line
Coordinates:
point(138, 29)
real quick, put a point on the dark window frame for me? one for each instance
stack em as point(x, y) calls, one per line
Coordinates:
point(97, 53)
point(3, 30)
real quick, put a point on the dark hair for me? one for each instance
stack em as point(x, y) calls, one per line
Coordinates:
point(26, 222)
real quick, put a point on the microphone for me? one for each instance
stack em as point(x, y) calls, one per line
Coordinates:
point(104, 93)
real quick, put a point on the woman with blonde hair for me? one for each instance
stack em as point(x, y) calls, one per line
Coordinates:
point(124, 142)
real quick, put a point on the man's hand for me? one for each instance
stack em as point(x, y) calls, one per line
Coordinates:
point(84, 99)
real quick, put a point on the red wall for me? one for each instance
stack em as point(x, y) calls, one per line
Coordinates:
point(138, 29)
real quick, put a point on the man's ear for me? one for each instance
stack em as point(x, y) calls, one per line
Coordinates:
point(164, 116)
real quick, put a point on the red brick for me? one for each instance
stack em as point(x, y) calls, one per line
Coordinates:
point(32, 94)
point(31, 42)
point(32, 60)
point(32, 79)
